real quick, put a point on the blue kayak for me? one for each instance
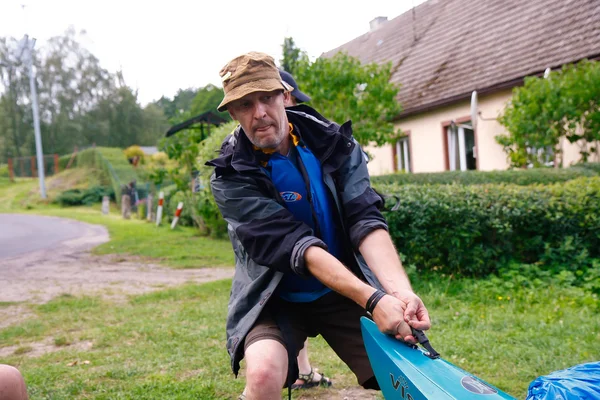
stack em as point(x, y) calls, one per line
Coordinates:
point(411, 373)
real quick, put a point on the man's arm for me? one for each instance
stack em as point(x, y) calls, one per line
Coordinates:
point(368, 233)
point(389, 312)
point(381, 256)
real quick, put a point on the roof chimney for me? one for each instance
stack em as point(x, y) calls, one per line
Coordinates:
point(377, 22)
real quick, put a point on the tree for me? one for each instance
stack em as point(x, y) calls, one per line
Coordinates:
point(566, 104)
point(80, 102)
point(292, 56)
point(208, 98)
point(180, 105)
point(342, 88)
point(14, 100)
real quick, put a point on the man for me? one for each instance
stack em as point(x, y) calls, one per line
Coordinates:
point(307, 377)
point(312, 249)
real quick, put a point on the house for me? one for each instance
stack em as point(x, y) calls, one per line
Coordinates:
point(443, 50)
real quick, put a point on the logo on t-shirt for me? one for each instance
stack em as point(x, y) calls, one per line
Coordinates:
point(290, 197)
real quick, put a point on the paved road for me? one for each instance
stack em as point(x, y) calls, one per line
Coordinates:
point(22, 234)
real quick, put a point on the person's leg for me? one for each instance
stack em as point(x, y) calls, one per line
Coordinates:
point(304, 368)
point(267, 358)
point(266, 370)
point(12, 385)
point(303, 363)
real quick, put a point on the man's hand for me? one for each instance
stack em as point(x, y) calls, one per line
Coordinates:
point(389, 317)
point(395, 315)
point(415, 313)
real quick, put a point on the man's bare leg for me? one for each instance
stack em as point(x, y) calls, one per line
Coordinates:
point(266, 370)
point(304, 367)
point(12, 385)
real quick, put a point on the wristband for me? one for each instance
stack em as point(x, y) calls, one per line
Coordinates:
point(373, 300)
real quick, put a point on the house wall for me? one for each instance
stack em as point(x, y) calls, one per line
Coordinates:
point(428, 152)
point(428, 147)
point(571, 152)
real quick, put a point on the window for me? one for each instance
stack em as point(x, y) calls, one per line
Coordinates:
point(461, 147)
point(402, 159)
point(543, 155)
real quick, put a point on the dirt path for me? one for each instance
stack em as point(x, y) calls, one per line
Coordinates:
point(70, 268)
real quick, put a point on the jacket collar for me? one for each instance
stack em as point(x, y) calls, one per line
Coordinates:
point(328, 141)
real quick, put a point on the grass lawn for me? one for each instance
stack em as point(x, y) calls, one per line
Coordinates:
point(170, 344)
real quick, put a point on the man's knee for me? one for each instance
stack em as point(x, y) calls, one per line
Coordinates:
point(12, 385)
point(266, 365)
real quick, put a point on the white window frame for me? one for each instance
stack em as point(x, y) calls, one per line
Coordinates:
point(403, 154)
point(454, 140)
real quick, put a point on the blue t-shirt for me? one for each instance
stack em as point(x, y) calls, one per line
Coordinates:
point(309, 201)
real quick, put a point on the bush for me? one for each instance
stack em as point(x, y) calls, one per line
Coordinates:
point(4, 171)
point(78, 197)
point(515, 177)
point(133, 151)
point(591, 166)
point(475, 230)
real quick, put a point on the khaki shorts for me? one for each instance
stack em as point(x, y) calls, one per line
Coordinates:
point(334, 317)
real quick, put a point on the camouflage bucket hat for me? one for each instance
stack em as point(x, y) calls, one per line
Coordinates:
point(248, 73)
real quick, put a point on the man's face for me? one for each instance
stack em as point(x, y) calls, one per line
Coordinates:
point(262, 116)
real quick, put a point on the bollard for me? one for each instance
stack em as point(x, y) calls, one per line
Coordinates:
point(159, 209)
point(105, 205)
point(126, 206)
point(149, 207)
point(177, 214)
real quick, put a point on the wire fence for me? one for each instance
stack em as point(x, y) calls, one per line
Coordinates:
point(27, 167)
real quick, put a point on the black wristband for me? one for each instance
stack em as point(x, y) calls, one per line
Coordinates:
point(373, 300)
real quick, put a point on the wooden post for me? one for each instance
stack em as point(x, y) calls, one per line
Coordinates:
point(126, 206)
point(56, 171)
point(105, 205)
point(149, 207)
point(33, 171)
point(11, 172)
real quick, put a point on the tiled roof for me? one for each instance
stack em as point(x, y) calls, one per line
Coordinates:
point(442, 50)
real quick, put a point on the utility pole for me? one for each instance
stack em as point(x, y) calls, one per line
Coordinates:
point(26, 50)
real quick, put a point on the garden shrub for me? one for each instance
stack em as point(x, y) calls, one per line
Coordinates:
point(78, 197)
point(592, 166)
point(515, 177)
point(4, 171)
point(134, 151)
point(477, 229)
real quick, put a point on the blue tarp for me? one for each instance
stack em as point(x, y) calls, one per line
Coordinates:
point(581, 382)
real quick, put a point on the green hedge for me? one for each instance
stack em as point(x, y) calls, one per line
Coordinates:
point(515, 177)
point(77, 197)
point(4, 171)
point(477, 229)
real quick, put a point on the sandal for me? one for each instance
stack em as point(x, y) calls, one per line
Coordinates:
point(310, 383)
point(242, 397)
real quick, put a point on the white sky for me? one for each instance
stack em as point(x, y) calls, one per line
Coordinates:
point(167, 45)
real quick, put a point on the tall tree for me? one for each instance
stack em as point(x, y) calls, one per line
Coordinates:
point(175, 109)
point(342, 88)
point(208, 98)
point(292, 56)
point(15, 83)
